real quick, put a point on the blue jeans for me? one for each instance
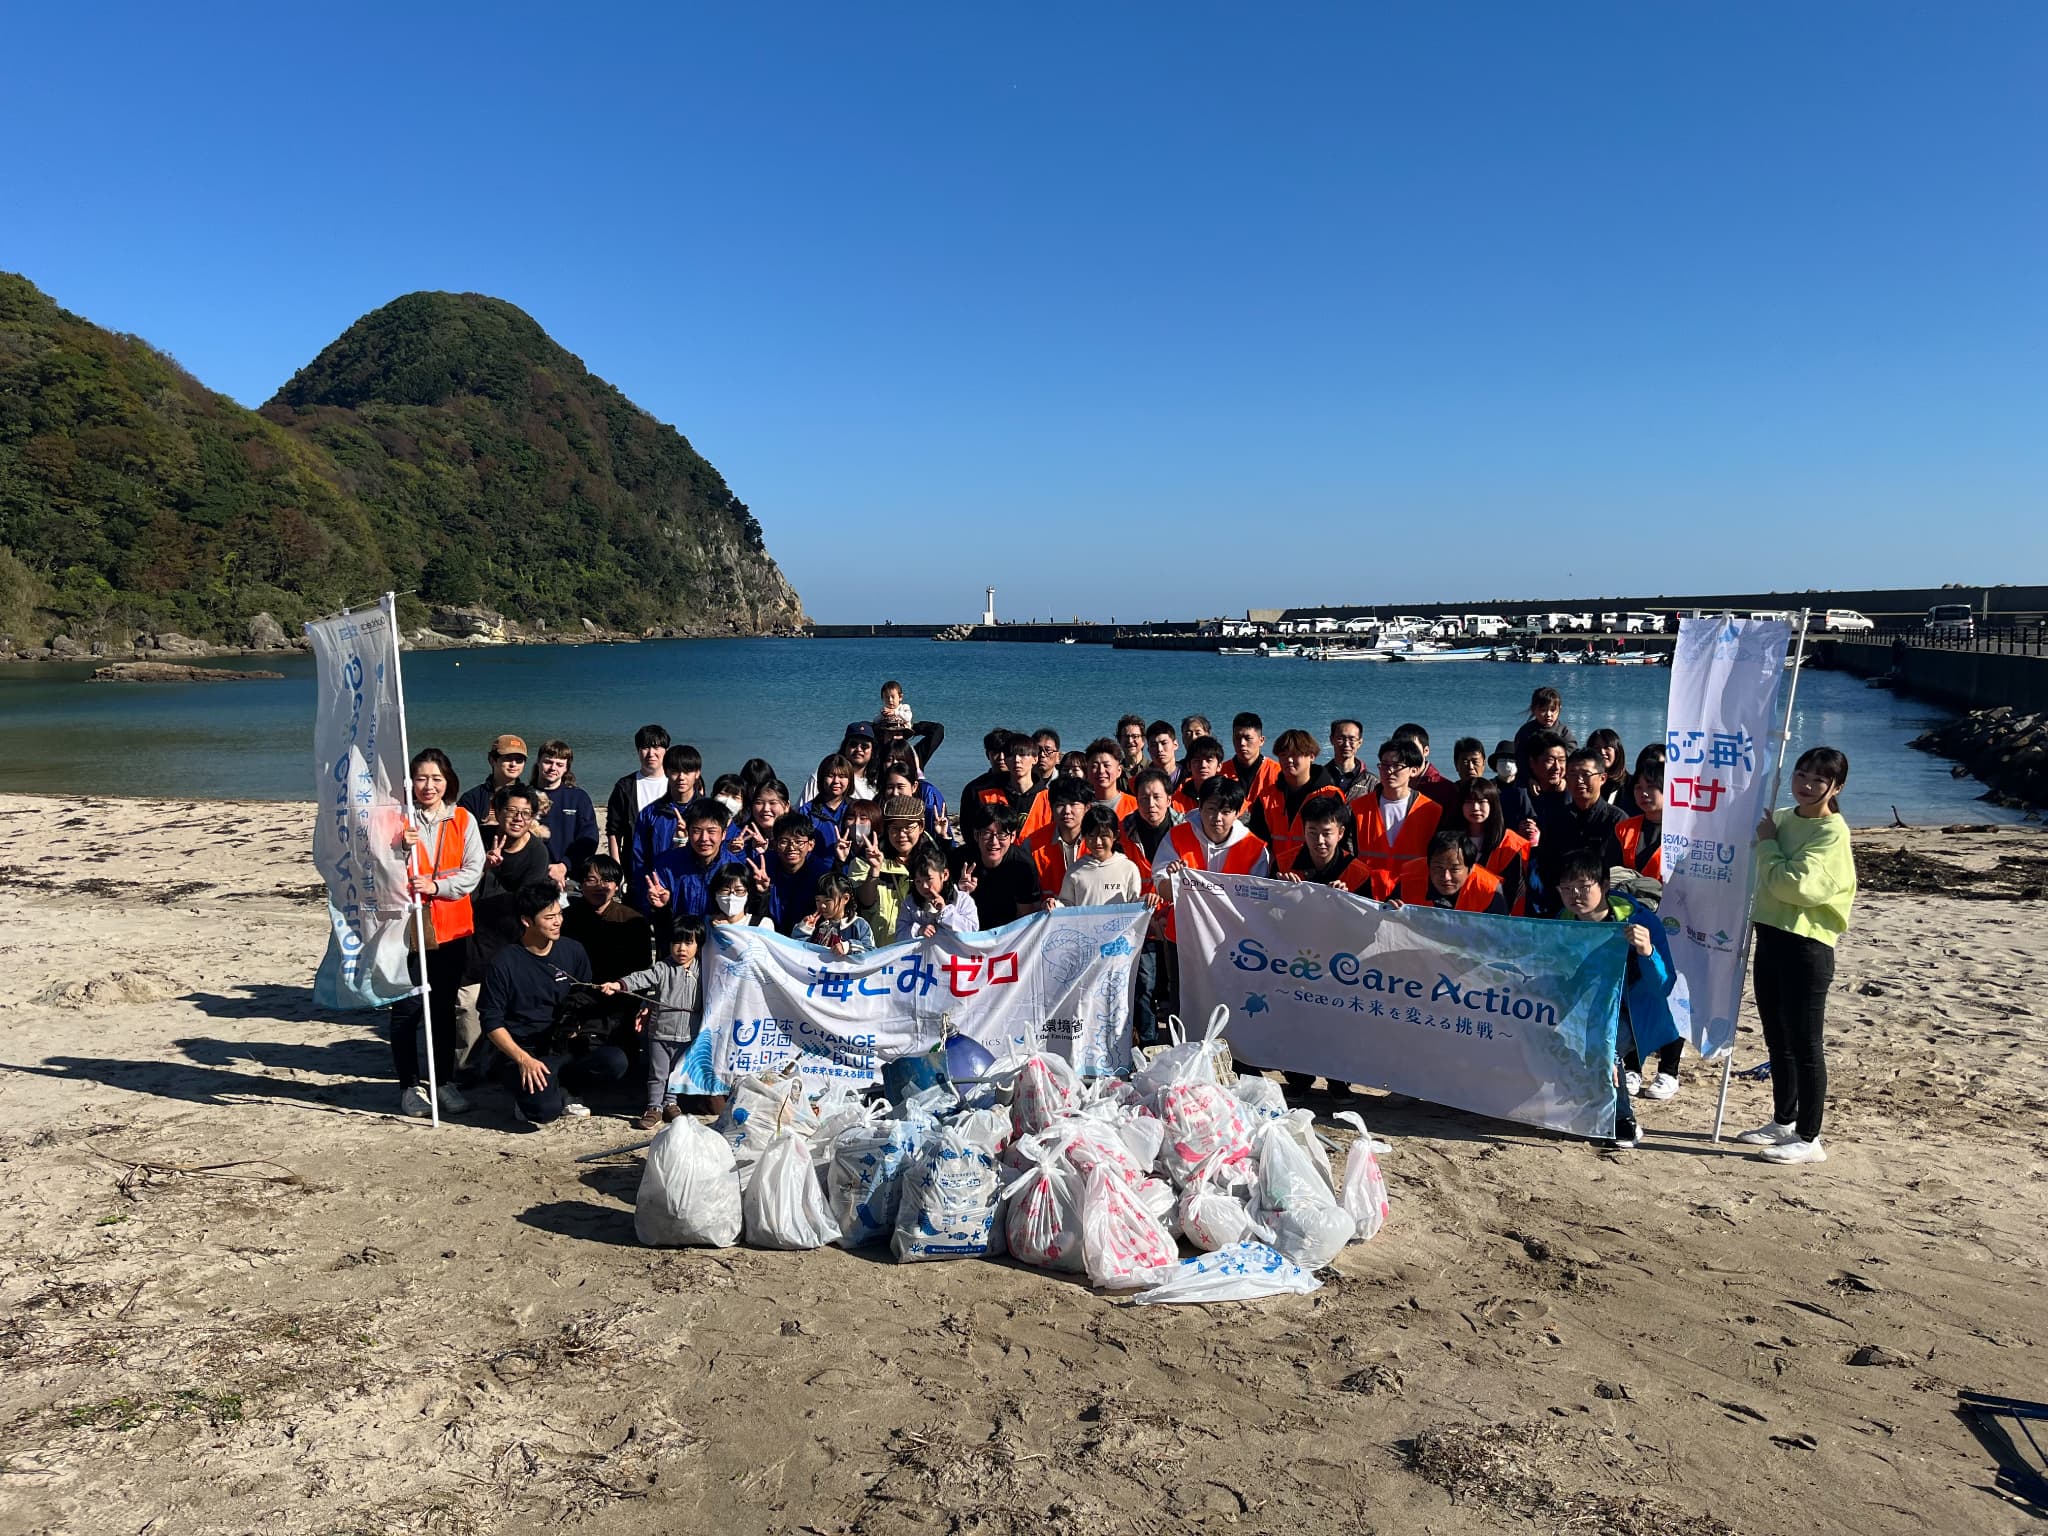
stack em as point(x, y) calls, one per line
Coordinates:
point(594, 1068)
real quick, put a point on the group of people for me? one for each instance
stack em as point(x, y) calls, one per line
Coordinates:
point(560, 950)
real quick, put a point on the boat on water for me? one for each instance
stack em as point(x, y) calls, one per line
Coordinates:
point(1444, 653)
point(1066, 639)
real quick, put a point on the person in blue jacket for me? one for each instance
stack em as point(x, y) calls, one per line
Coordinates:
point(570, 821)
point(678, 878)
point(1646, 1023)
point(787, 875)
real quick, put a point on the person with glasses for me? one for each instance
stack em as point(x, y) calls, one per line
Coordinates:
point(518, 861)
point(507, 759)
point(1579, 819)
point(1346, 771)
point(1395, 825)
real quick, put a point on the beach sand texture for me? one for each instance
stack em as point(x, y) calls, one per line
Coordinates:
point(235, 1293)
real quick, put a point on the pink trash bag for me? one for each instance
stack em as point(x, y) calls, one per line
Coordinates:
point(1202, 1121)
point(1123, 1245)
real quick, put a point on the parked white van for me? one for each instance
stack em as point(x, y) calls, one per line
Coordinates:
point(1847, 621)
point(1486, 626)
point(1642, 623)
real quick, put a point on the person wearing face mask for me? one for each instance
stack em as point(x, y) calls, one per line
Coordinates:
point(635, 792)
point(730, 791)
point(732, 901)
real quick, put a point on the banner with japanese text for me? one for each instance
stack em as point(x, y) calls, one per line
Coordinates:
point(1725, 678)
point(1057, 982)
point(360, 787)
point(1504, 1016)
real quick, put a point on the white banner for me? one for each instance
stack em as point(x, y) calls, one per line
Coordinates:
point(1505, 1016)
point(359, 756)
point(1056, 982)
point(1725, 678)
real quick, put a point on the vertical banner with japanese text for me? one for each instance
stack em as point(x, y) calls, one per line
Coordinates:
point(1057, 982)
point(360, 789)
point(1506, 1016)
point(1725, 679)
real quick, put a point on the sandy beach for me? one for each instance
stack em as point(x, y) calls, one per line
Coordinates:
point(238, 1293)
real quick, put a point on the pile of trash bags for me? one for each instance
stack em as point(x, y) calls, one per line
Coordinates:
point(1108, 1177)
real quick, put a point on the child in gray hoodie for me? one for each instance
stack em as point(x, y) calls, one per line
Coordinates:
point(671, 1021)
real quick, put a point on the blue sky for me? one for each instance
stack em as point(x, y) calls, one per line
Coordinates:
point(1144, 310)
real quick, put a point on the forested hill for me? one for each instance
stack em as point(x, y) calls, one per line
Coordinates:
point(443, 443)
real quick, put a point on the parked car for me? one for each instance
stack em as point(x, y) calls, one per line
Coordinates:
point(1781, 615)
point(1610, 623)
point(1951, 621)
point(1487, 626)
point(1642, 623)
point(1847, 621)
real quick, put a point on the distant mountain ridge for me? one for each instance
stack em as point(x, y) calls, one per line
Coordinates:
point(443, 443)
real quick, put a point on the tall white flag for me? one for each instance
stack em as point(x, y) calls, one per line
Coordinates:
point(1725, 679)
point(359, 756)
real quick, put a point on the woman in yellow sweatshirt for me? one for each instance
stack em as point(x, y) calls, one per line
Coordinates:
point(1806, 883)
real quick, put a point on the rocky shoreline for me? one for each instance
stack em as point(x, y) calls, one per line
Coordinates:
point(2004, 749)
point(445, 629)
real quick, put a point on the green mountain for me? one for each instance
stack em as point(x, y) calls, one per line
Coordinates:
point(442, 443)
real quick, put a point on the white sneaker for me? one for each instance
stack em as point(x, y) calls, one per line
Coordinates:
point(1796, 1151)
point(453, 1100)
point(1663, 1086)
point(414, 1102)
point(1634, 1082)
point(574, 1111)
point(1776, 1134)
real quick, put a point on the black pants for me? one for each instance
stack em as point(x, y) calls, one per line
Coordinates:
point(444, 979)
point(1667, 1059)
point(1792, 977)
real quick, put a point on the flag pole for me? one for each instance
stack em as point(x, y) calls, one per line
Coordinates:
point(389, 604)
point(1777, 783)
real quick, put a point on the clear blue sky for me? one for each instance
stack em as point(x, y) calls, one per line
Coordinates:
point(1144, 310)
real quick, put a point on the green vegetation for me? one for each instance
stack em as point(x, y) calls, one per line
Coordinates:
point(131, 1412)
point(443, 443)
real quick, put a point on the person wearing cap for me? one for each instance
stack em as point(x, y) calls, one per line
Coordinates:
point(857, 746)
point(507, 758)
point(881, 875)
point(1503, 763)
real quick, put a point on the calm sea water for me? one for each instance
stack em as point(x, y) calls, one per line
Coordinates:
point(787, 701)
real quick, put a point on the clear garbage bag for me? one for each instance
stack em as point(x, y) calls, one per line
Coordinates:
point(1365, 1187)
point(784, 1207)
point(1241, 1272)
point(1308, 1224)
point(1123, 1245)
point(689, 1191)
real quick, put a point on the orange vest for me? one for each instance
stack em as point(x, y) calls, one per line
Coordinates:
point(1049, 858)
point(1185, 800)
point(1262, 776)
point(1481, 886)
point(1038, 816)
point(1513, 850)
point(1644, 861)
point(1123, 804)
point(1283, 832)
point(1369, 831)
point(1238, 859)
point(1127, 844)
point(450, 915)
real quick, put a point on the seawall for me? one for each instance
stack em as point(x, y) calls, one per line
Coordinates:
point(1961, 679)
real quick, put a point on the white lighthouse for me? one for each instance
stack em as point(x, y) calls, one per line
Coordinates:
point(988, 612)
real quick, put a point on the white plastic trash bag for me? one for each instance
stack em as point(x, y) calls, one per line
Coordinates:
point(1301, 1125)
point(949, 1199)
point(1157, 1196)
point(1042, 1211)
point(1046, 1090)
point(1122, 1243)
point(756, 1109)
point(689, 1193)
point(1211, 1217)
point(1202, 1121)
point(864, 1180)
point(1260, 1095)
point(1241, 1272)
point(1309, 1226)
point(784, 1206)
point(1365, 1187)
point(1206, 1060)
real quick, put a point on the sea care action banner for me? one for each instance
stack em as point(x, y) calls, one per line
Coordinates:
point(1505, 1016)
point(1725, 677)
point(361, 786)
point(1056, 982)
